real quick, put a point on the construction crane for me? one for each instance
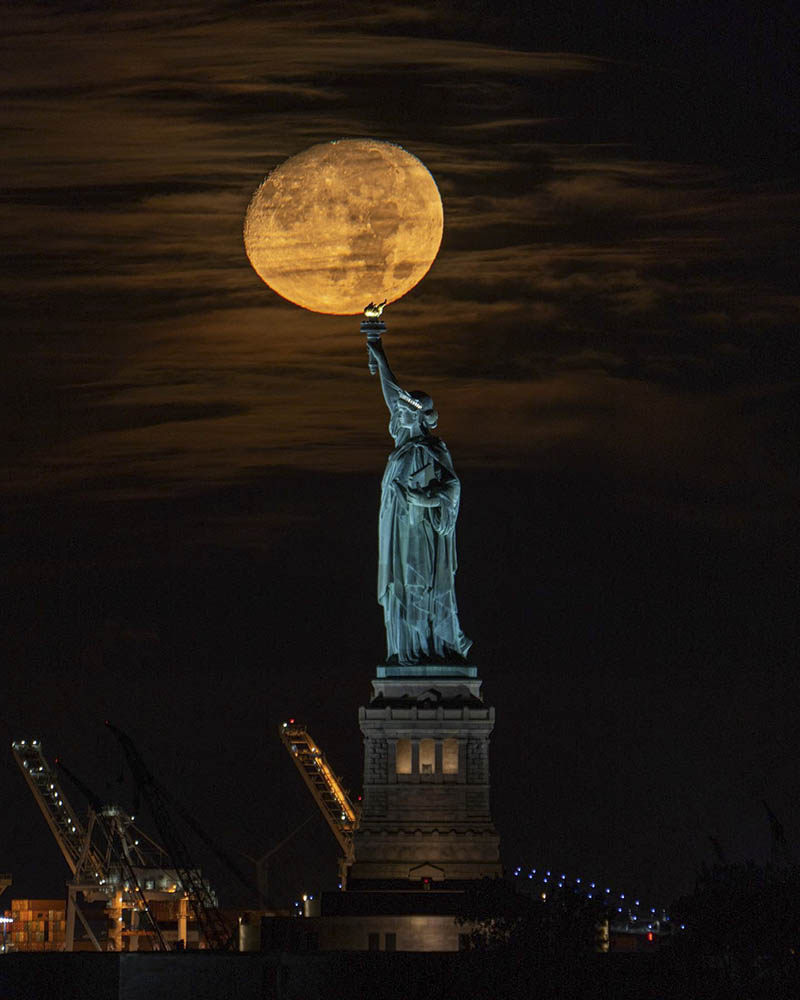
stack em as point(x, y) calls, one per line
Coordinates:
point(218, 936)
point(340, 813)
point(109, 857)
point(123, 853)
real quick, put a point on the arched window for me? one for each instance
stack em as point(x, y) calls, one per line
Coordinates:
point(427, 756)
point(403, 757)
point(450, 756)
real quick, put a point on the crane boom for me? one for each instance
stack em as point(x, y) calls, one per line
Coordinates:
point(69, 832)
point(217, 934)
point(340, 813)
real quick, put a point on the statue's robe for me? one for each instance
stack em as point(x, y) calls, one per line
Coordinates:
point(417, 556)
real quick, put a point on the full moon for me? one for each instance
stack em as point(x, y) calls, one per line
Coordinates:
point(343, 224)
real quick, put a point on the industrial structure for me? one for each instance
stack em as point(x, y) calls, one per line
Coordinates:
point(215, 931)
point(332, 798)
point(146, 900)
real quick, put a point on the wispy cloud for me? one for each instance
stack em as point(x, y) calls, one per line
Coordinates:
point(572, 263)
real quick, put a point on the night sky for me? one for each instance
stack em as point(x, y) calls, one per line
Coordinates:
point(610, 336)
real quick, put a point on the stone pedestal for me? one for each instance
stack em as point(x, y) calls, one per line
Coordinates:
point(425, 819)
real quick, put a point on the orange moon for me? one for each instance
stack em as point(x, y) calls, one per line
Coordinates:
point(343, 224)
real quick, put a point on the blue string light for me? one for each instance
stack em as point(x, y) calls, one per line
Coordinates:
point(585, 887)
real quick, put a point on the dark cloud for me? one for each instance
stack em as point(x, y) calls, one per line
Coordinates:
point(98, 197)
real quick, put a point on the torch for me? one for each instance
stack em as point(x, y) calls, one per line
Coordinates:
point(372, 326)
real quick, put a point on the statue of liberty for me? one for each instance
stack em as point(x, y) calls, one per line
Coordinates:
point(420, 496)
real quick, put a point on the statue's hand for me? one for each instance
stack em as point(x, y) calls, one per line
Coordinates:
point(422, 497)
point(376, 357)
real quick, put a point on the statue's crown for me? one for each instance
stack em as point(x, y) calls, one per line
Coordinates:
point(409, 399)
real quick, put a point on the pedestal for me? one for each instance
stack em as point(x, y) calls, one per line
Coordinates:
point(426, 820)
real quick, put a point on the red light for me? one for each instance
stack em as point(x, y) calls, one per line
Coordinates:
point(651, 936)
point(291, 722)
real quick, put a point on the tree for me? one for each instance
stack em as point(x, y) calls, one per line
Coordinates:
point(745, 920)
point(562, 926)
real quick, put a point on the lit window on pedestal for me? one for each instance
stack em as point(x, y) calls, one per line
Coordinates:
point(403, 757)
point(427, 756)
point(450, 756)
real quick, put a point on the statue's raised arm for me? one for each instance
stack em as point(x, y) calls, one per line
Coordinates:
point(389, 386)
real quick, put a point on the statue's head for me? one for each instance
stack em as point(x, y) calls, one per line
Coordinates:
point(420, 405)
